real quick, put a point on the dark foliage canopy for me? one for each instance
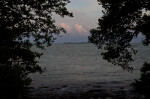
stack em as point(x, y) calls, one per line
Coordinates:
point(122, 21)
point(21, 21)
point(24, 19)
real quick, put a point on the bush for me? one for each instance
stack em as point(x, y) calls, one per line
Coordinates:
point(142, 86)
point(13, 82)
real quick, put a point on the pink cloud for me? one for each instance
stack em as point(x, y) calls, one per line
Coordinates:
point(66, 26)
point(75, 29)
point(79, 28)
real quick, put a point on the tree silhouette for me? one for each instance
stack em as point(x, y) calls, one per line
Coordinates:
point(24, 23)
point(122, 21)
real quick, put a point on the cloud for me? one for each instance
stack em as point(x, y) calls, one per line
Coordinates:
point(75, 29)
point(79, 28)
point(66, 26)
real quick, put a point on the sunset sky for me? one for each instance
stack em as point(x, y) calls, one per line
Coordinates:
point(86, 14)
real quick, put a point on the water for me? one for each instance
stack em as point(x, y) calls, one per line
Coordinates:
point(80, 66)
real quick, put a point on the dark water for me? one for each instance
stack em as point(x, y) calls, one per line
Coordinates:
point(80, 67)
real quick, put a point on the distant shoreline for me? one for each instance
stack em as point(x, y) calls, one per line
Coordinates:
point(75, 43)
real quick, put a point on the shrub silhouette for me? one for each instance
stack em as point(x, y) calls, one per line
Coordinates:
point(13, 81)
point(142, 85)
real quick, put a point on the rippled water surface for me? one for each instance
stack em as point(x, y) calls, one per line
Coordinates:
point(77, 65)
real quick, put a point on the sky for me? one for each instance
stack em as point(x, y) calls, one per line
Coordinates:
point(86, 14)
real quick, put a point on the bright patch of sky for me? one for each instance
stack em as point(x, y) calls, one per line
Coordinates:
point(86, 14)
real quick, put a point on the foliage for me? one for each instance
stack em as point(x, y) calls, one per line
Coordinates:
point(122, 21)
point(142, 86)
point(20, 22)
point(14, 81)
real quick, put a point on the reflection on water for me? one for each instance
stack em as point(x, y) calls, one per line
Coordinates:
point(77, 65)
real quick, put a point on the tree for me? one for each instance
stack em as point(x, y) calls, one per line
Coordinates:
point(122, 21)
point(20, 22)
